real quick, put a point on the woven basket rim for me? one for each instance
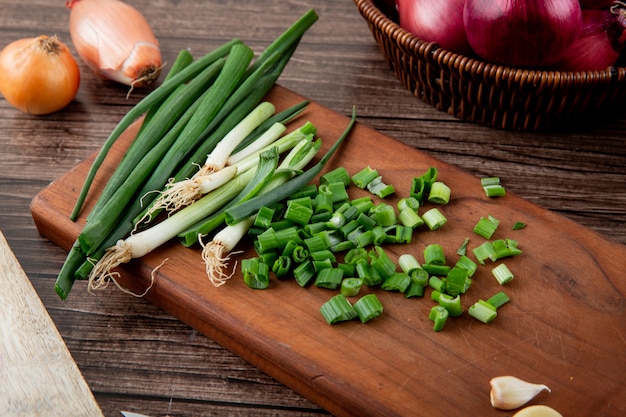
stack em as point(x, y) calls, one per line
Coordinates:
point(432, 51)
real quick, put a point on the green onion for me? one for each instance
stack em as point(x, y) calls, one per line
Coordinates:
point(255, 273)
point(434, 219)
point(281, 266)
point(409, 218)
point(457, 281)
point(484, 251)
point(264, 217)
point(398, 281)
point(329, 278)
point(467, 264)
point(482, 311)
point(502, 273)
point(362, 178)
point(384, 214)
point(351, 287)
point(450, 303)
point(439, 193)
point(337, 309)
point(434, 255)
point(499, 299)
point(298, 213)
point(462, 250)
point(381, 262)
point(368, 274)
point(486, 226)
point(304, 272)
point(408, 264)
point(408, 202)
point(368, 307)
point(420, 186)
point(433, 269)
point(339, 174)
point(492, 187)
point(379, 188)
point(144, 105)
point(249, 207)
point(439, 315)
point(518, 225)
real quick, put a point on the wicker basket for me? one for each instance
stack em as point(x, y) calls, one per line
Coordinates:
point(488, 94)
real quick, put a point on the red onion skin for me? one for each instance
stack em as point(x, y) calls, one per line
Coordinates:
point(439, 21)
point(522, 33)
point(597, 47)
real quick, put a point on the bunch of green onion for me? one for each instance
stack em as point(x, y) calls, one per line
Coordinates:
point(199, 103)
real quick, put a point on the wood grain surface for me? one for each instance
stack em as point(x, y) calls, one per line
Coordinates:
point(136, 356)
point(37, 373)
point(568, 286)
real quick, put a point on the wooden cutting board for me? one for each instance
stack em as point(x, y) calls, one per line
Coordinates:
point(565, 325)
point(38, 376)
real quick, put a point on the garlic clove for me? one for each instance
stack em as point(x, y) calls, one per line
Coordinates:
point(537, 411)
point(509, 392)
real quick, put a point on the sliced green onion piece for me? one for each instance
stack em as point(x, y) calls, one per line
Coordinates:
point(368, 307)
point(486, 226)
point(384, 214)
point(462, 250)
point(298, 213)
point(518, 225)
point(414, 290)
point(457, 281)
point(255, 273)
point(323, 202)
point(368, 274)
point(502, 273)
point(494, 191)
point(499, 299)
point(281, 266)
point(439, 193)
point(398, 281)
point(468, 264)
point(482, 311)
point(434, 255)
point(379, 188)
point(484, 251)
point(304, 272)
point(408, 263)
point(439, 316)
point(408, 202)
point(432, 269)
point(381, 262)
point(409, 218)
point(364, 177)
point(329, 278)
point(437, 284)
point(356, 255)
point(338, 174)
point(338, 309)
point(403, 234)
point(264, 217)
point(434, 218)
point(351, 287)
point(450, 303)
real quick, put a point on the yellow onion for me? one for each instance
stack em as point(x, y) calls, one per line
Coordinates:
point(38, 75)
point(115, 40)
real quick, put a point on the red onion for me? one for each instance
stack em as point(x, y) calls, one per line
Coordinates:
point(598, 46)
point(522, 33)
point(439, 21)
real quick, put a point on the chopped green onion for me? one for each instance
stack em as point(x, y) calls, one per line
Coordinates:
point(337, 191)
point(368, 274)
point(381, 262)
point(408, 202)
point(439, 193)
point(518, 225)
point(499, 299)
point(264, 217)
point(434, 255)
point(439, 316)
point(433, 269)
point(356, 255)
point(351, 287)
point(337, 309)
point(323, 202)
point(462, 250)
point(368, 307)
point(409, 218)
point(486, 226)
point(492, 187)
point(298, 213)
point(281, 266)
point(502, 273)
point(466, 263)
point(482, 311)
point(457, 281)
point(437, 284)
point(338, 174)
point(362, 178)
point(414, 290)
point(384, 214)
point(329, 278)
point(484, 251)
point(304, 272)
point(434, 218)
point(408, 263)
point(255, 273)
point(398, 281)
point(450, 303)
point(379, 188)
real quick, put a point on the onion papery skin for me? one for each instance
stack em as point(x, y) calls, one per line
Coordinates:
point(594, 50)
point(115, 40)
point(436, 21)
point(522, 33)
point(38, 75)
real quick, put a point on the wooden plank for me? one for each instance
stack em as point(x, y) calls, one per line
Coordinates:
point(37, 373)
point(564, 326)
